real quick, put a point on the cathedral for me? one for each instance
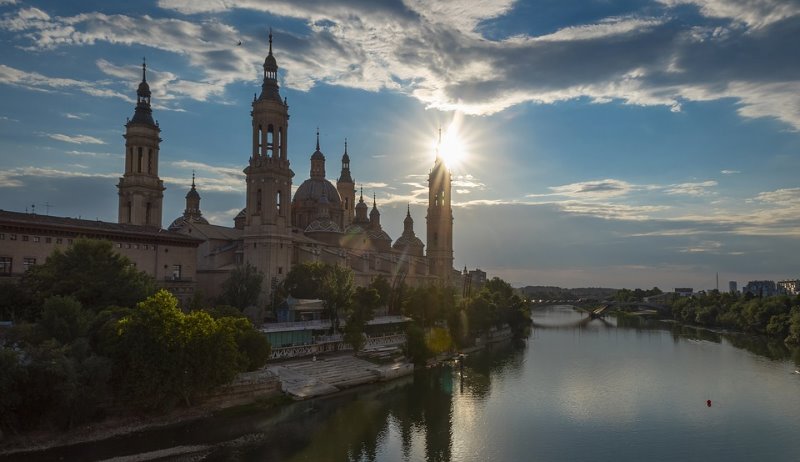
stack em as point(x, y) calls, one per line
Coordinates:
point(323, 221)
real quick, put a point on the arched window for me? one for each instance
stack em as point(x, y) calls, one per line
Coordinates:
point(258, 201)
point(147, 214)
point(149, 161)
point(130, 211)
point(270, 140)
point(258, 141)
point(346, 203)
point(278, 202)
point(280, 143)
point(139, 164)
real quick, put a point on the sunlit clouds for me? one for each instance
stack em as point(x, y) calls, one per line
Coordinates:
point(647, 138)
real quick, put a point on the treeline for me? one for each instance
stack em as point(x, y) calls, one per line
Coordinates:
point(558, 293)
point(441, 321)
point(93, 335)
point(774, 316)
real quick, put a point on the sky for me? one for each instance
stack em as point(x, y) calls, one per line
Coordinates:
point(603, 143)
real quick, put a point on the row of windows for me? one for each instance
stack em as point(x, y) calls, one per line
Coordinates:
point(7, 264)
point(59, 240)
point(27, 238)
point(136, 246)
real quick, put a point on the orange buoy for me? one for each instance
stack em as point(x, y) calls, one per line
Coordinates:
point(708, 402)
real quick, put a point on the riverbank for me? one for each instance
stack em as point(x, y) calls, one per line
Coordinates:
point(266, 388)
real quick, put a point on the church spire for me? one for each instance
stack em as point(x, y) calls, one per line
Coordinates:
point(143, 112)
point(269, 89)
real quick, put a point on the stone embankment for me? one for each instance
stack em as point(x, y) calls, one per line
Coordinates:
point(310, 377)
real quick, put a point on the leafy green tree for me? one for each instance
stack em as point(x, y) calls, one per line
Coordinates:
point(384, 290)
point(167, 355)
point(64, 319)
point(15, 302)
point(794, 326)
point(305, 280)
point(252, 345)
point(91, 272)
point(337, 293)
point(243, 287)
point(12, 389)
point(365, 300)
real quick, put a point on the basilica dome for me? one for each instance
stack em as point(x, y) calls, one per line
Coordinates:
point(313, 189)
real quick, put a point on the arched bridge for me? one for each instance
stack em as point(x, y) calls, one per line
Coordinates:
point(631, 307)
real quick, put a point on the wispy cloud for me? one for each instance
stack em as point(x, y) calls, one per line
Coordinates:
point(730, 172)
point(75, 139)
point(70, 115)
point(14, 178)
point(436, 52)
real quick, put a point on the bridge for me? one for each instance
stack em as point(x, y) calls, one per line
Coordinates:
point(641, 307)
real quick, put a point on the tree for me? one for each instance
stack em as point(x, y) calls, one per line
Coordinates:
point(91, 272)
point(64, 319)
point(305, 280)
point(243, 287)
point(384, 290)
point(365, 300)
point(166, 355)
point(337, 292)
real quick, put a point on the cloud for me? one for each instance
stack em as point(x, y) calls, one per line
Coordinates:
point(692, 189)
point(8, 119)
point(730, 172)
point(39, 82)
point(593, 189)
point(75, 139)
point(436, 52)
point(15, 177)
point(753, 13)
point(92, 154)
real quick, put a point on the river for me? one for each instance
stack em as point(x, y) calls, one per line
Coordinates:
point(600, 390)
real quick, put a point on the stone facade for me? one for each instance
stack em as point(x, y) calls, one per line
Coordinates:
point(27, 239)
point(322, 222)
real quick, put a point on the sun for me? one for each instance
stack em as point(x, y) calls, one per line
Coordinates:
point(451, 147)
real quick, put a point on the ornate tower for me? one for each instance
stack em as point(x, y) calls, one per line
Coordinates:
point(267, 221)
point(440, 220)
point(347, 190)
point(140, 189)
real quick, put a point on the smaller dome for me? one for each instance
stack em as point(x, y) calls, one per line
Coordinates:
point(318, 155)
point(354, 229)
point(378, 235)
point(270, 63)
point(193, 194)
point(144, 89)
point(181, 221)
point(325, 225)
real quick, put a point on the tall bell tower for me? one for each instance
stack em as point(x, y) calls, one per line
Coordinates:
point(440, 220)
point(347, 190)
point(268, 227)
point(140, 189)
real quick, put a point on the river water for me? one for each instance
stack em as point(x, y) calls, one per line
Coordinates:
point(598, 390)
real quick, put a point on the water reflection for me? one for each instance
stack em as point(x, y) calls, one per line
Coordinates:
point(629, 379)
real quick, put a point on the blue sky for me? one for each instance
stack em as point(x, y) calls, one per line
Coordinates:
point(607, 143)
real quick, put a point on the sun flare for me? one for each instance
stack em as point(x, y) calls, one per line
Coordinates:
point(451, 147)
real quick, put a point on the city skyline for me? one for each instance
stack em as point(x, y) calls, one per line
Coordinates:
point(626, 145)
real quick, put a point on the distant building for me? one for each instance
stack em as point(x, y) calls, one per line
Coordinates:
point(27, 239)
point(760, 288)
point(733, 287)
point(789, 287)
point(473, 281)
point(684, 291)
